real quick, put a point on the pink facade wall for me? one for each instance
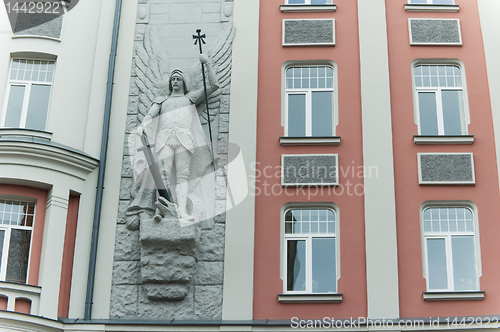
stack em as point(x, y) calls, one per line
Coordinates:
point(409, 194)
point(270, 197)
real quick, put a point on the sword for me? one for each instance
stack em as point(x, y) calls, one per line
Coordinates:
point(163, 191)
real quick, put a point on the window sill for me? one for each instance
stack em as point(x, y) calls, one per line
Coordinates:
point(35, 36)
point(310, 298)
point(453, 296)
point(423, 7)
point(332, 140)
point(21, 132)
point(307, 8)
point(443, 139)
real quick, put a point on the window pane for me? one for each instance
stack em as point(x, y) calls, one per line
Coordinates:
point(322, 113)
point(296, 115)
point(428, 115)
point(324, 276)
point(19, 249)
point(295, 2)
point(436, 262)
point(296, 265)
point(452, 112)
point(464, 263)
point(15, 106)
point(38, 107)
point(443, 2)
point(418, 1)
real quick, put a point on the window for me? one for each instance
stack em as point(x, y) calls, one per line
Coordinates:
point(309, 101)
point(440, 100)
point(450, 249)
point(309, 2)
point(28, 94)
point(435, 2)
point(16, 228)
point(310, 259)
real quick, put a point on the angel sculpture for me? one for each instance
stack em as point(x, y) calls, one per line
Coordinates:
point(172, 122)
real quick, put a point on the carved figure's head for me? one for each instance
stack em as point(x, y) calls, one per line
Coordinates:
point(177, 81)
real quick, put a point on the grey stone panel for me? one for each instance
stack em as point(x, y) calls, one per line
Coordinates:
point(124, 301)
point(446, 168)
point(127, 246)
point(309, 170)
point(209, 273)
point(211, 247)
point(208, 302)
point(126, 273)
point(308, 32)
point(26, 24)
point(435, 31)
point(180, 310)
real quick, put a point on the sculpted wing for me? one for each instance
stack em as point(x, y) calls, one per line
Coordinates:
point(151, 69)
point(220, 53)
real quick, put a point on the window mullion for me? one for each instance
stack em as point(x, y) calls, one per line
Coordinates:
point(308, 113)
point(439, 111)
point(5, 253)
point(449, 263)
point(24, 113)
point(309, 265)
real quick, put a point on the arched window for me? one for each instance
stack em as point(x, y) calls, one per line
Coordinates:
point(310, 251)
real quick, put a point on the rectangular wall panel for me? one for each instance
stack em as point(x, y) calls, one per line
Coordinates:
point(308, 169)
point(308, 32)
point(434, 31)
point(446, 168)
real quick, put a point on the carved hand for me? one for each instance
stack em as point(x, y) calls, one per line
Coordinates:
point(204, 59)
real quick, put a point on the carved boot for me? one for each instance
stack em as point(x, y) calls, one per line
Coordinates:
point(182, 191)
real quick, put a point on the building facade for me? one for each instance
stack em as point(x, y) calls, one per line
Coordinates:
point(353, 181)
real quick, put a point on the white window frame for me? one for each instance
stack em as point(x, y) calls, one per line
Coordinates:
point(6, 239)
point(439, 105)
point(308, 246)
point(308, 93)
point(27, 93)
point(429, 2)
point(448, 247)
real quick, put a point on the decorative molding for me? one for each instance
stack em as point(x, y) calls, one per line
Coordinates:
point(307, 8)
point(443, 139)
point(309, 32)
point(434, 31)
point(424, 7)
point(310, 298)
point(453, 296)
point(42, 153)
point(37, 37)
point(20, 132)
point(446, 165)
point(57, 201)
point(15, 291)
point(332, 140)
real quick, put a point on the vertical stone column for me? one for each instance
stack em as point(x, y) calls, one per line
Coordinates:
point(380, 204)
point(52, 249)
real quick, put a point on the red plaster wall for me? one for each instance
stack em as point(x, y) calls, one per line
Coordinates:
point(23, 306)
point(68, 255)
point(272, 56)
point(409, 195)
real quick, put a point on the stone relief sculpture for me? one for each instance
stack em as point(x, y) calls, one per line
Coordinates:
point(171, 112)
point(172, 122)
